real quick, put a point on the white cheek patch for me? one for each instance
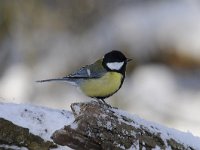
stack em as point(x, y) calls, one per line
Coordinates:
point(115, 65)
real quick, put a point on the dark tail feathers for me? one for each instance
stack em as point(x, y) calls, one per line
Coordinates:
point(49, 80)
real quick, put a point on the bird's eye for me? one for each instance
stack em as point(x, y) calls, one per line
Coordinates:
point(115, 65)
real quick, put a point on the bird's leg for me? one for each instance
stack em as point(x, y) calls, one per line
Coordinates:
point(103, 102)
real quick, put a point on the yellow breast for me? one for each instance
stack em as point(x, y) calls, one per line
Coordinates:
point(102, 87)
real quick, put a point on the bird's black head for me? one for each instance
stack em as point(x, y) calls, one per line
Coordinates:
point(115, 61)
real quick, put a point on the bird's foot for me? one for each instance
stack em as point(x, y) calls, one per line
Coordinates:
point(101, 101)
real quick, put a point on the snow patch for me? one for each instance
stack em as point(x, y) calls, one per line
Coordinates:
point(185, 138)
point(77, 109)
point(109, 125)
point(74, 125)
point(45, 121)
point(12, 147)
point(39, 120)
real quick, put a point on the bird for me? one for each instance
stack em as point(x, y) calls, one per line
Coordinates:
point(101, 79)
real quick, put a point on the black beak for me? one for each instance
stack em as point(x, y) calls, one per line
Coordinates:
point(128, 59)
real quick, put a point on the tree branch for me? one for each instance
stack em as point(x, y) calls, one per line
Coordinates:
point(98, 126)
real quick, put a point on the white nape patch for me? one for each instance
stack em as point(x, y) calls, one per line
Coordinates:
point(88, 72)
point(115, 65)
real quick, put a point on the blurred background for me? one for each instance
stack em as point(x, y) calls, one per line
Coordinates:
point(48, 39)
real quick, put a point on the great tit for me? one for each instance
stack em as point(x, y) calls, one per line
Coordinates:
point(101, 79)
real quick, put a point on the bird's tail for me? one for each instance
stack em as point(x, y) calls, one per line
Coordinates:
point(65, 79)
point(56, 79)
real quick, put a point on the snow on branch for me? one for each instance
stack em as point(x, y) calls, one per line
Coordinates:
point(89, 126)
point(98, 126)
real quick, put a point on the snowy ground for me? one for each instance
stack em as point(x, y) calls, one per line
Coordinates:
point(44, 121)
point(39, 120)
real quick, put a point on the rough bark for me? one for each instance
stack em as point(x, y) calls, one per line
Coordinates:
point(14, 135)
point(98, 126)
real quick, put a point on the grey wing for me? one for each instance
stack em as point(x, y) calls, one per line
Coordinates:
point(82, 73)
point(87, 72)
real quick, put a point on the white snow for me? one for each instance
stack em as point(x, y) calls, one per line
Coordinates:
point(74, 125)
point(185, 138)
point(39, 120)
point(44, 121)
point(109, 125)
point(77, 109)
point(13, 147)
